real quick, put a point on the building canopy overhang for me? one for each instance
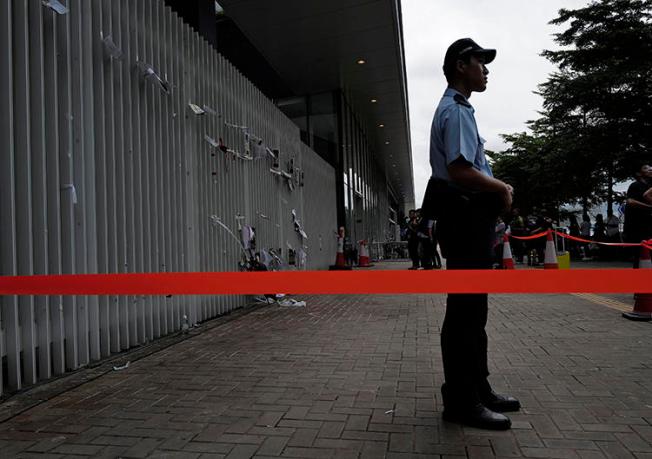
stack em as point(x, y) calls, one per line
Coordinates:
point(352, 45)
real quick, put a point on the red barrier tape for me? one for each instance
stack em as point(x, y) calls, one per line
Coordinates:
point(647, 243)
point(589, 241)
point(528, 238)
point(333, 282)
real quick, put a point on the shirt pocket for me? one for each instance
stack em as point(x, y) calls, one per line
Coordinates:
point(480, 158)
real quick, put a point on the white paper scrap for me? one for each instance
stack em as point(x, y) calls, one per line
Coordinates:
point(209, 110)
point(234, 126)
point(265, 258)
point(291, 302)
point(217, 221)
point(149, 73)
point(71, 187)
point(211, 141)
point(56, 6)
point(112, 50)
point(259, 150)
point(196, 109)
point(123, 367)
point(271, 153)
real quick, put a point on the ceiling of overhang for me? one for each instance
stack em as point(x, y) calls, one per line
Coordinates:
point(314, 46)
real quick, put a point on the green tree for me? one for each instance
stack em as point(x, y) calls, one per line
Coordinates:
point(535, 168)
point(596, 124)
point(605, 81)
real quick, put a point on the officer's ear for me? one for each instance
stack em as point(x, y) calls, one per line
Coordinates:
point(460, 65)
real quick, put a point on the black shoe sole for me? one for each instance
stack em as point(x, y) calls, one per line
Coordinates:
point(508, 408)
point(471, 422)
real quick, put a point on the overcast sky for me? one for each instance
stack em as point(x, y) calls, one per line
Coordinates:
point(518, 29)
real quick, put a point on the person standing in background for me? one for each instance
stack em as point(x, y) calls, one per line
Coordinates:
point(638, 210)
point(613, 235)
point(413, 239)
point(517, 226)
point(585, 233)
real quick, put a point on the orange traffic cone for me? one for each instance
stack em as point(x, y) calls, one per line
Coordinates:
point(644, 259)
point(508, 260)
point(340, 262)
point(550, 259)
point(363, 261)
point(642, 301)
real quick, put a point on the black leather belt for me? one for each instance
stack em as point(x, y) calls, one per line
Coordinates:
point(444, 197)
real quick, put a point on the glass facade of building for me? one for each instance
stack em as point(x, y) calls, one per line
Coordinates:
point(368, 202)
point(330, 126)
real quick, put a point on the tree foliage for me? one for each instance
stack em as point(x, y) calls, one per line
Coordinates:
point(596, 123)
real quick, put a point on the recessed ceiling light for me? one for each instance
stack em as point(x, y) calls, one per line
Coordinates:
point(361, 61)
point(387, 143)
point(373, 101)
point(381, 125)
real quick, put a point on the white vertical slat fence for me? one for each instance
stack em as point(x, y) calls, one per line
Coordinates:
point(106, 170)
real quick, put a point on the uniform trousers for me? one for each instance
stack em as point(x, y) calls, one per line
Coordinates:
point(465, 232)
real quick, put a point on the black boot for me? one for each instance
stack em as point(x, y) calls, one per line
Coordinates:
point(497, 402)
point(477, 416)
point(466, 409)
point(500, 403)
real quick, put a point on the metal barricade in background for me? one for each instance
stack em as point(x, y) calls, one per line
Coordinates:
point(396, 250)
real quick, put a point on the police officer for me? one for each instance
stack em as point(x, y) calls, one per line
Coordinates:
point(465, 199)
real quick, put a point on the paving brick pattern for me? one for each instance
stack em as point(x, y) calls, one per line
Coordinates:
point(358, 377)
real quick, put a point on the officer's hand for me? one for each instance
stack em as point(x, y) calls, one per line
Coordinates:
point(507, 198)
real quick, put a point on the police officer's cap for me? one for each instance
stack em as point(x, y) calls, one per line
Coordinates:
point(465, 47)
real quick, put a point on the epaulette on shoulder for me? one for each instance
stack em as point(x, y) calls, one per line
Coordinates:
point(461, 100)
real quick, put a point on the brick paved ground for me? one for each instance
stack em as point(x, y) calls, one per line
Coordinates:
point(358, 376)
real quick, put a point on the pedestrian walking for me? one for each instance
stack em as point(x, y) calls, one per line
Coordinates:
point(499, 235)
point(613, 234)
point(585, 226)
point(517, 226)
point(428, 244)
point(413, 239)
point(574, 230)
point(599, 235)
point(585, 233)
point(465, 199)
point(612, 227)
point(536, 224)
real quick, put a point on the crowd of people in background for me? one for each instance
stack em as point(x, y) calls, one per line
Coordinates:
point(633, 226)
point(595, 229)
point(530, 251)
point(422, 244)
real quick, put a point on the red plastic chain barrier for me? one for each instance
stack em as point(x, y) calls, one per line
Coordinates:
point(589, 241)
point(334, 282)
point(647, 243)
point(528, 238)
